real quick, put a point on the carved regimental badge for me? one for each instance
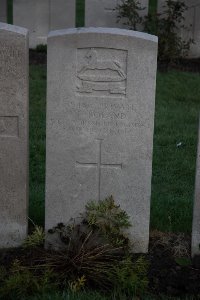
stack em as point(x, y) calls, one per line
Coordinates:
point(101, 72)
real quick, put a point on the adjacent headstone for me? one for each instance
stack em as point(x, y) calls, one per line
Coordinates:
point(191, 22)
point(13, 135)
point(62, 14)
point(161, 6)
point(196, 210)
point(41, 16)
point(103, 13)
point(100, 116)
point(33, 15)
point(3, 11)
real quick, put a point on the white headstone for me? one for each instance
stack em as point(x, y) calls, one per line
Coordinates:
point(103, 13)
point(100, 116)
point(3, 11)
point(196, 210)
point(161, 6)
point(13, 135)
point(192, 22)
point(62, 14)
point(41, 16)
point(33, 15)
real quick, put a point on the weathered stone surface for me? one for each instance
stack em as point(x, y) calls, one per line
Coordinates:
point(100, 116)
point(196, 210)
point(41, 16)
point(33, 15)
point(103, 13)
point(192, 22)
point(192, 18)
point(13, 135)
point(3, 11)
point(160, 6)
point(62, 14)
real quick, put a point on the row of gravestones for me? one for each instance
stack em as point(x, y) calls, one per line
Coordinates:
point(42, 16)
point(100, 119)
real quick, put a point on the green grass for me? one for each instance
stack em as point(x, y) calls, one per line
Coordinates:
point(10, 11)
point(80, 13)
point(152, 6)
point(37, 143)
point(176, 121)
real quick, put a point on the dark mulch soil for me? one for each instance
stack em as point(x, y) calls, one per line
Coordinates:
point(190, 65)
point(185, 64)
point(37, 57)
point(171, 271)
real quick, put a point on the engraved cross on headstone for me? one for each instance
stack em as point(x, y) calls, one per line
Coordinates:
point(99, 165)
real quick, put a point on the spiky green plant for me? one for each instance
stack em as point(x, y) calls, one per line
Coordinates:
point(129, 13)
point(22, 281)
point(98, 249)
point(131, 277)
point(36, 238)
point(109, 219)
point(94, 254)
